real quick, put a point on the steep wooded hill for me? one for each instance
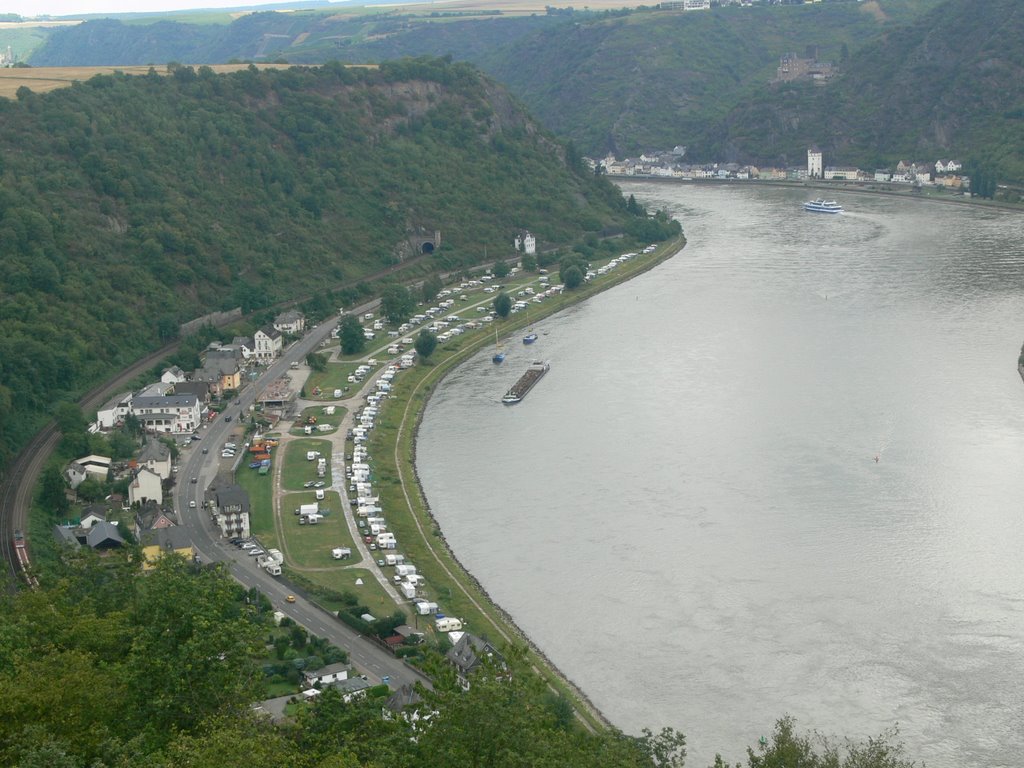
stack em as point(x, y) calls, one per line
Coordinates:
point(303, 37)
point(130, 204)
point(949, 85)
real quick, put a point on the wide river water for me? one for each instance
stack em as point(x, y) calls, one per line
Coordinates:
point(686, 515)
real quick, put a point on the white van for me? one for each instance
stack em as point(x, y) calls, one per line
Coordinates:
point(319, 494)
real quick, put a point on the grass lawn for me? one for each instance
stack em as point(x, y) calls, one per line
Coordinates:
point(321, 384)
point(298, 469)
point(309, 546)
point(370, 593)
point(261, 512)
point(318, 412)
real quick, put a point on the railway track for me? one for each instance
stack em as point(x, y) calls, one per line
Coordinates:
point(22, 475)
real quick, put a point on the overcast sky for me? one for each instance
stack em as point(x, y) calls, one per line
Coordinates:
point(72, 7)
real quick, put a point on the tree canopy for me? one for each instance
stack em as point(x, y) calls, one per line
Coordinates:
point(425, 343)
point(130, 204)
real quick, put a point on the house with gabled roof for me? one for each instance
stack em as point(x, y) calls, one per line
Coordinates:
point(326, 675)
point(292, 321)
point(229, 505)
point(92, 514)
point(112, 413)
point(75, 474)
point(104, 535)
point(145, 485)
point(152, 516)
point(172, 375)
point(156, 457)
point(470, 653)
point(201, 389)
point(245, 345)
point(66, 536)
point(269, 343)
point(160, 542)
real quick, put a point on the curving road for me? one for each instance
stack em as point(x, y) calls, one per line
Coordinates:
point(375, 662)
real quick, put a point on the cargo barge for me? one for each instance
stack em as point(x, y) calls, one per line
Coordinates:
point(526, 382)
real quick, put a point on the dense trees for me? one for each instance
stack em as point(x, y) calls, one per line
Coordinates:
point(503, 304)
point(425, 344)
point(572, 270)
point(351, 336)
point(397, 304)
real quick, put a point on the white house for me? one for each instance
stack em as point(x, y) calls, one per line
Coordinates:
point(268, 343)
point(173, 375)
point(332, 673)
point(156, 457)
point(245, 345)
point(75, 474)
point(114, 411)
point(947, 166)
point(145, 485)
point(170, 413)
point(292, 322)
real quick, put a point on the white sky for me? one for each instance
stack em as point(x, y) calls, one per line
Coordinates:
point(30, 8)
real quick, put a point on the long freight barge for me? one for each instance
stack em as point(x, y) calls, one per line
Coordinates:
point(526, 382)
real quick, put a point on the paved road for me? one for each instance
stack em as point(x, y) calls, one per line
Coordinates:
point(373, 661)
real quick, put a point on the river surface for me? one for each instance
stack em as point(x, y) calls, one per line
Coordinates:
point(686, 515)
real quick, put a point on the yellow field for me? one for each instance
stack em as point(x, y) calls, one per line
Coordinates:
point(42, 79)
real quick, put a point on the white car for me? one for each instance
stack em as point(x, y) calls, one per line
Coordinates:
point(192, 504)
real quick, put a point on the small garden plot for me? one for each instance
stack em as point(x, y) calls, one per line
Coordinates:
point(317, 417)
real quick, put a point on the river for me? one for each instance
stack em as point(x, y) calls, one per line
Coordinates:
point(686, 515)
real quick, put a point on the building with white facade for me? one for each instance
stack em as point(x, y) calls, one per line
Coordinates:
point(268, 343)
point(156, 457)
point(171, 413)
point(292, 321)
point(145, 485)
point(114, 410)
point(814, 166)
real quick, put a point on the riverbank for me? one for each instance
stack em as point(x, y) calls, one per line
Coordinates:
point(409, 514)
point(903, 192)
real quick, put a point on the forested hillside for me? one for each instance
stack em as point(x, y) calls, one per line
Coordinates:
point(949, 85)
point(302, 37)
point(131, 204)
point(621, 82)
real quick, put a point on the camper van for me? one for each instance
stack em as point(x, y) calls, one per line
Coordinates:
point(448, 625)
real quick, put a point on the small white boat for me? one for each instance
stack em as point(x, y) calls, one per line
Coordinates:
point(823, 206)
